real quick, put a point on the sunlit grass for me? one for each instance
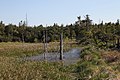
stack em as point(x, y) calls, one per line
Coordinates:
point(29, 49)
point(20, 49)
point(14, 69)
point(93, 65)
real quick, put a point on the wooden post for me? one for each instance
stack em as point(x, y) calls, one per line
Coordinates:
point(61, 46)
point(45, 43)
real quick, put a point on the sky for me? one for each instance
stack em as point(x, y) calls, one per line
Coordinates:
point(48, 12)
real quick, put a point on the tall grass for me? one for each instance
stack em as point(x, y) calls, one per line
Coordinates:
point(29, 49)
point(93, 65)
point(20, 49)
point(13, 69)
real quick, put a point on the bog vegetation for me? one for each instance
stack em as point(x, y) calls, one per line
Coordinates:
point(99, 57)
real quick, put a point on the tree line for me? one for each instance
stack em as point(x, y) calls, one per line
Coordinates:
point(23, 33)
point(84, 31)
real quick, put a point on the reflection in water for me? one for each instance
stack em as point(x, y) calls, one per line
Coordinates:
point(69, 57)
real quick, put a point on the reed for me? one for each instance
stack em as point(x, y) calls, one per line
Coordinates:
point(29, 49)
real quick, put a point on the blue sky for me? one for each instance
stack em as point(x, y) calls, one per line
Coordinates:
point(58, 11)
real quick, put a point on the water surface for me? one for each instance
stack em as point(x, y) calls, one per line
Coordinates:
point(69, 57)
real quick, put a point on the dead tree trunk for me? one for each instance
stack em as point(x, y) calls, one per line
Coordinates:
point(45, 43)
point(61, 46)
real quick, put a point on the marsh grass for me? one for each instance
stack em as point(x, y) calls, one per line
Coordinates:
point(19, 49)
point(29, 49)
point(93, 64)
point(14, 69)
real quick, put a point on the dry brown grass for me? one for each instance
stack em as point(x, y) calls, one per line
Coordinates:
point(113, 61)
point(13, 68)
point(111, 56)
point(29, 49)
point(20, 49)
